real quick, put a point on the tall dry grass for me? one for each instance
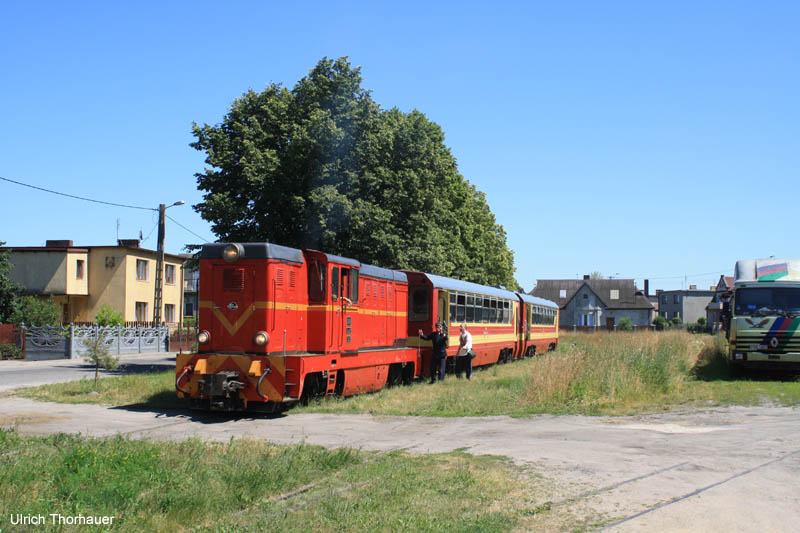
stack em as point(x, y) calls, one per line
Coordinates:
point(593, 371)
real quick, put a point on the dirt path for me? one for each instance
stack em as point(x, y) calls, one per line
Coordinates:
point(731, 469)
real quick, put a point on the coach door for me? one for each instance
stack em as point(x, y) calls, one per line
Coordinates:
point(233, 305)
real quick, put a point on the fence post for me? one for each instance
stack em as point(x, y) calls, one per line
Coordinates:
point(23, 340)
point(139, 338)
point(71, 342)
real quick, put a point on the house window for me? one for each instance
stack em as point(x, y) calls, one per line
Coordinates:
point(141, 312)
point(79, 269)
point(585, 296)
point(676, 298)
point(169, 274)
point(562, 293)
point(615, 294)
point(169, 313)
point(142, 270)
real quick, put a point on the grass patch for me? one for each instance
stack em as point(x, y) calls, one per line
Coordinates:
point(153, 390)
point(599, 373)
point(245, 484)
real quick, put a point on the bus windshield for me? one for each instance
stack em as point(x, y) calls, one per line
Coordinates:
point(763, 301)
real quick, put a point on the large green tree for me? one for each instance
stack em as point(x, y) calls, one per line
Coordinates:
point(324, 166)
point(8, 290)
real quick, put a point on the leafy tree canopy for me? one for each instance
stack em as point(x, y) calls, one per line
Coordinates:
point(35, 311)
point(8, 290)
point(323, 166)
point(106, 316)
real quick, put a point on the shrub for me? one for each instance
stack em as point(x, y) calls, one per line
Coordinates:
point(660, 323)
point(108, 317)
point(701, 321)
point(10, 351)
point(676, 321)
point(33, 311)
point(625, 325)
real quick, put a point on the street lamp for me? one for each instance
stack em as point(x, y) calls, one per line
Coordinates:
point(157, 299)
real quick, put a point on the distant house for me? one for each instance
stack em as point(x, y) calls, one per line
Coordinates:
point(82, 279)
point(191, 282)
point(721, 296)
point(598, 303)
point(688, 305)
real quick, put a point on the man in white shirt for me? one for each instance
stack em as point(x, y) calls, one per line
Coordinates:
point(463, 357)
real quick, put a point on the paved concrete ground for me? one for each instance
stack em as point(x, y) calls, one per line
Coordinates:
point(717, 469)
point(15, 374)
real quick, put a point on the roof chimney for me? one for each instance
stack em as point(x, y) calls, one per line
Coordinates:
point(128, 243)
point(58, 244)
point(647, 287)
point(692, 287)
point(586, 276)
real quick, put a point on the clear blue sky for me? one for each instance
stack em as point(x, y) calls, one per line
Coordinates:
point(638, 140)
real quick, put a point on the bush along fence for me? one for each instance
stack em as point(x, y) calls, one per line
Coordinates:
point(69, 342)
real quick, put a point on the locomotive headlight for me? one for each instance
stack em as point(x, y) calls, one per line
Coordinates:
point(203, 337)
point(261, 338)
point(232, 252)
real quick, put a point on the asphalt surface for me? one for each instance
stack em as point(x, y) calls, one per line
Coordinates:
point(14, 374)
point(716, 469)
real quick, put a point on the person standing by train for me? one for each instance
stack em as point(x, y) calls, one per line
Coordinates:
point(464, 355)
point(439, 356)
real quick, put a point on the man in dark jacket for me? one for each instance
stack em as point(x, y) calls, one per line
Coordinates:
point(439, 356)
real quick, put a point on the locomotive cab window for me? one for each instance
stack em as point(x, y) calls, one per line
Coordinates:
point(345, 285)
point(316, 282)
point(354, 286)
point(335, 283)
point(419, 308)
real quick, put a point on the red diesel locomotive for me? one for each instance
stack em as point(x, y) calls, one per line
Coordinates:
point(278, 325)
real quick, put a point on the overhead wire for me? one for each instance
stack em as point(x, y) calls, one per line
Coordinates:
point(77, 197)
point(107, 203)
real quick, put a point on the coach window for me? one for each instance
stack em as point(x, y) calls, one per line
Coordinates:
point(452, 307)
point(316, 282)
point(506, 313)
point(335, 283)
point(420, 308)
point(461, 299)
point(470, 308)
point(485, 310)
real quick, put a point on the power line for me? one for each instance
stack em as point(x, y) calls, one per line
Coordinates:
point(190, 231)
point(106, 203)
point(77, 197)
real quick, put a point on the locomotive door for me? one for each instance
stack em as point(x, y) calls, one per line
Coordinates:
point(346, 321)
point(233, 303)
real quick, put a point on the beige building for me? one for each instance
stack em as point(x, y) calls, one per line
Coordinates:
point(83, 279)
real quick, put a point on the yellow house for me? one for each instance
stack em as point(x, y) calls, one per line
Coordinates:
point(83, 279)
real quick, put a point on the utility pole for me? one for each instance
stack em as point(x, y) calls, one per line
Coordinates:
point(157, 300)
point(158, 297)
